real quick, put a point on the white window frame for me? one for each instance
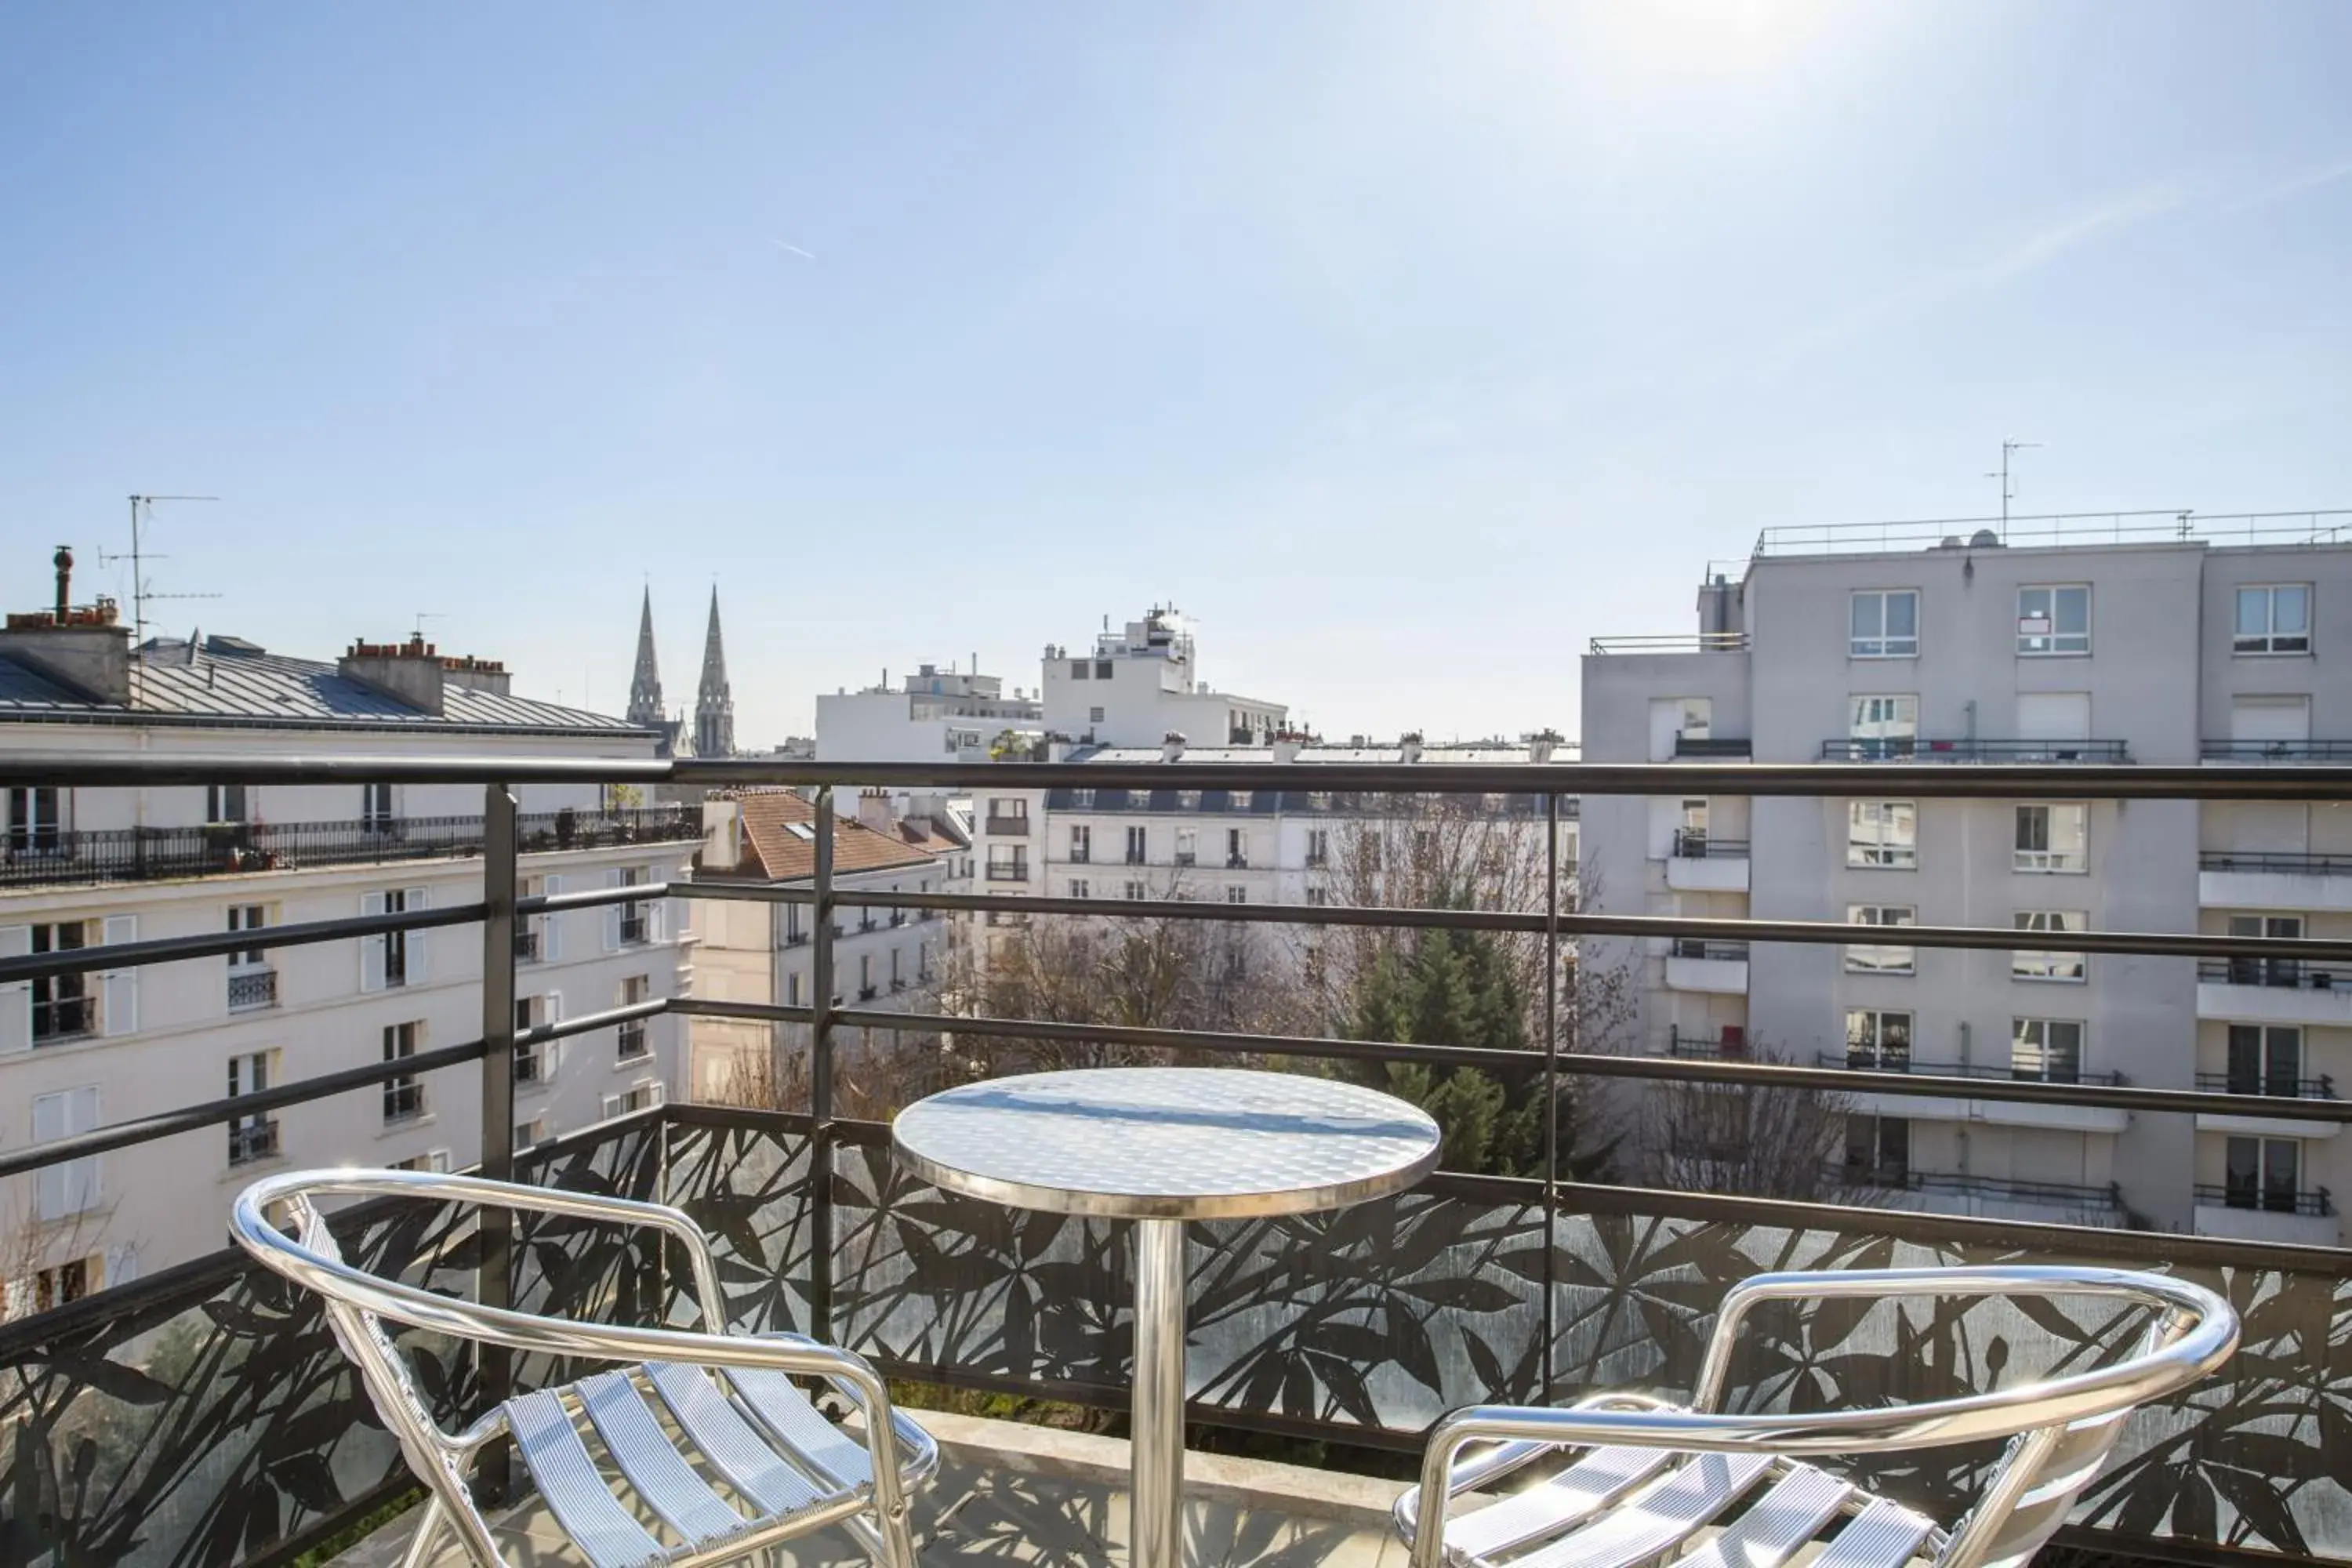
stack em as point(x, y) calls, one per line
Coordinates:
point(1882, 854)
point(2053, 642)
point(1857, 957)
point(1881, 644)
point(1237, 895)
point(37, 816)
point(1869, 1041)
point(1881, 725)
point(69, 1187)
point(2036, 1039)
point(2051, 966)
point(2265, 644)
point(2047, 861)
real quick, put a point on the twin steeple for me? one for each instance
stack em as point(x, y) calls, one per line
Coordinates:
point(714, 702)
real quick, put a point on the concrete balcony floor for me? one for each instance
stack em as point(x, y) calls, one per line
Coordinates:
point(1009, 1492)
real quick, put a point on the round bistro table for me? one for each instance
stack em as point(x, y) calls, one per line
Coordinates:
point(1161, 1146)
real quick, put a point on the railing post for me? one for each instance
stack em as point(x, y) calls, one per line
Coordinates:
point(821, 1078)
point(1551, 1087)
point(495, 1282)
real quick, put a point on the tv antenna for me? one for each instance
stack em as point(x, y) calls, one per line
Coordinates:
point(139, 594)
point(425, 615)
point(2007, 492)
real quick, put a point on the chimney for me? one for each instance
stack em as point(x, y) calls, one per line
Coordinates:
point(1171, 746)
point(86, 650)
point(1541, 744)
point(1058, 747)
point(410, 673)
point(1409, 746)
point(477, 675)
point(873, 811)
point(722, 834)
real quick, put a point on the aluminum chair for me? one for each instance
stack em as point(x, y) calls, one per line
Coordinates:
point(1628, 1480)
point(772, 1467)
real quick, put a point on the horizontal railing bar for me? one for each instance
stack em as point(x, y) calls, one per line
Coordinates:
point(195, 1118)
point(214, 945)
point(2024, 781)
point(1838, 933)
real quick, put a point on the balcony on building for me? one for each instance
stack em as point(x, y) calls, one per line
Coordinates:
point(2274, 879)
point(2274, 1086)
point(1971, 749)
point(1990, 1197)
point(252, 989)
point(1717, 968)
point(1702, 862)
point(2255, 1211)
point(1959, 1108)
point(1712, 748)
point(2276, 751)
point(2275, 990)
point(1725, 1042)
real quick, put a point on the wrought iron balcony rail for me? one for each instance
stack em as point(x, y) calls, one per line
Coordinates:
point(818, 1217)
point(1711, 746)
point(2284, 973)
point(1696, 947)
point(2314, 1204)
point(1707, 1047)
point(1972, 749)
point(2320, 1088)
point(1693, 844)
point(49, 857)
point(2276, 751)
point(252, 989)
point(2276, 862)
point(1884, 1060)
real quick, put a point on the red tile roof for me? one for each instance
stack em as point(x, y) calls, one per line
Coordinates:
point(773, 853)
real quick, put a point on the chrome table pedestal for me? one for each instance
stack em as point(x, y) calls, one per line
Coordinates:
point(1162, 1146)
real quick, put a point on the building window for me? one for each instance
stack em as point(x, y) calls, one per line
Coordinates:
point(635, 928)
point(375, 807)
point(1188, 847)
point(533, 1131)
point(2266, 970)
point(1080, 668)
point(2053, 620)
point(1012, 811)
point(2038, 965)
point(1095, 715)
point(866, 977)
point(66, 1282)
point(2054, 837)
point(2263, 1174)
point(1318, 847)
point(1880, 958)
point(1318, 897)
point(1008, 863)
point(225, 804)
point(1078, 888)
point(1082, 799)
point(897, 978)
point(251, 983)
point(35, 820)
point(1102, 669)
point(1886, 624)
point(1877, 1039)
point(2265, 1059)
point(1137, 892)
point(2273, 618)
point(1188, 800)
point(2047, 1048)
point(1882, 727)
point(64, 1005)
point(1878, 1148)
point(1241, 799)
point(253, 1137)
point(792, 990)
point(1135, 845)
point(1881, 834)
point(403, 1097)
point(1237, 895)
point(435, 1161)
point(631, 1035)
point(394, 958)
point(1082, 845)
point(71, 1186)
point(533, 1060)
point(1237, 847)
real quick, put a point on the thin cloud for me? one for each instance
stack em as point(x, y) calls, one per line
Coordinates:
point(2295, 185)
point(796, 250)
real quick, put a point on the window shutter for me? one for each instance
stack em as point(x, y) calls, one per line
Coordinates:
point(551, 927)
point(119, 1003)
point(372, 947)
point(656, 914)
point(417, 899)
point(612, 915)
point(551, 1011)
point(16, 997)
point(612, 1106)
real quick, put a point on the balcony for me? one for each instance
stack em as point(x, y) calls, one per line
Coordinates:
point(1006, 827)
point(2285, 1215)
point(1957, 1108)
point(2229, 879)
point(527, 943)
point(253, 1140)
point(1236, 861)
point(2317, 1088)
point(2275, 990)
point(2276, 751)
point(1699, 642)
point(1008, 872)
point(190, 1416)
point(1729, 1043)
point(1972, 748)
point(1702, 863)
point(251, 990)
point(1711, 747)
point(228, 849)
point(1716, 968)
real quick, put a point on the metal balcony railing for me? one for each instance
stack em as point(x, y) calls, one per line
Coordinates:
point(2312, 1205)
point(2161, 526)
point(1697, 844)
point(1709, 1048)
point(1700, 642)
point(1486, 1258)
point(1711, 746)
point(2276, 862)
point(46, 859)
point(250, 990)
point(2088, 1197)
point(527, 944)
point(1007, 827)
point(1862, 1059)
point(1017, 871)
point(2320, 1088)
point(252, 1140)
point(1972, 749)
point(2276, 751)
point(2283, 974)
point(1696, 947)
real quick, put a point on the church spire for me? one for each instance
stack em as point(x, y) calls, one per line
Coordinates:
point(644, 685)
point(714, 704)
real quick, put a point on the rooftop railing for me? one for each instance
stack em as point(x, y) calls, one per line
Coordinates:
point(2164, 526)
point(1696, 642)
point(205, 1415)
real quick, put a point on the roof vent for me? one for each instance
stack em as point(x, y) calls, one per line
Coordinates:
point(1984, 539)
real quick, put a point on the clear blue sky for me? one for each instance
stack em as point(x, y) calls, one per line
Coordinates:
point(1406, 346)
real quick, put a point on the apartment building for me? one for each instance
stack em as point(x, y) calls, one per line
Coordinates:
point(2069, 643)
point(1138, 686)
point(92, 868)
point(932, 714)
point(759, 951)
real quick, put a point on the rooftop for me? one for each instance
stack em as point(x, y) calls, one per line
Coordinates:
point(2164, 526)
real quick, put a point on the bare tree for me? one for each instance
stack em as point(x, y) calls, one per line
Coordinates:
point(1766, 1141)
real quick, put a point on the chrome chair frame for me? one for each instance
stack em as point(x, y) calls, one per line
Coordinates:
point(2060, 1429)
point(902, 1457)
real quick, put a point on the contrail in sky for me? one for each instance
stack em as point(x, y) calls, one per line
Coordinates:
point(796, 250)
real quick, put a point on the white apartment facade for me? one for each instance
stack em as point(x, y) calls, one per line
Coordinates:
point(1139, 685)
point(933, 715)
point(764, 953)
point(97, 867)
point(2162, 651)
